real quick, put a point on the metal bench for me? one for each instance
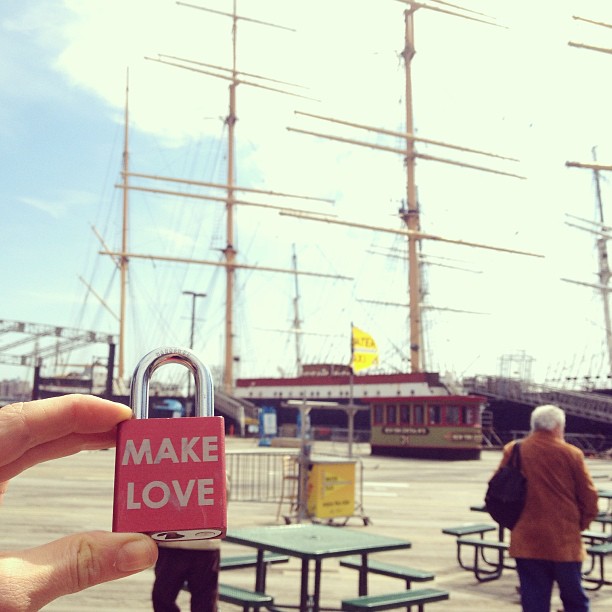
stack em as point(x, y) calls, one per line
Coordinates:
point(604, 519)
point(242, 561)
point(488, 570)
point(408, 574)
point(417, 597)
point(596, 537)
point(469, 529)
point(246, 599)
point(598, 552)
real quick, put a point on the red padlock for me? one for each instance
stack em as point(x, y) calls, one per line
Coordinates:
point(170, 477)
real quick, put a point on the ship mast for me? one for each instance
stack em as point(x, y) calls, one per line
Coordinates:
point(601, 231)
point(602, 235)
point(409, 211)
point(230, 252)
point(230, 189)
point(604, 267)
point(296, 316)
point(123, 260)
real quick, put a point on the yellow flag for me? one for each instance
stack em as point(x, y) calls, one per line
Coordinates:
point(364, 352)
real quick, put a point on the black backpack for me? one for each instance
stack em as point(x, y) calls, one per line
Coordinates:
point(506, 493)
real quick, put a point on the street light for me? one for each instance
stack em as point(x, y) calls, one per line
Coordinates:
point(194, 296)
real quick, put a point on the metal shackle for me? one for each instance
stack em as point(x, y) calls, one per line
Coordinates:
point(139, 393)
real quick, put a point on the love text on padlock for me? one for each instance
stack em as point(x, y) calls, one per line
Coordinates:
point(170, 479)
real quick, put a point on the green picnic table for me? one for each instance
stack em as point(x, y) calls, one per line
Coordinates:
point(312, 542)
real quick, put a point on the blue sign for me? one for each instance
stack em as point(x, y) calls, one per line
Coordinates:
point(267, 425)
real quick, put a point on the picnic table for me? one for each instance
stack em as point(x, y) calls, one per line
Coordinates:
point(472, 535)
point(598, 547)
point(312, 543)
point(501, 533)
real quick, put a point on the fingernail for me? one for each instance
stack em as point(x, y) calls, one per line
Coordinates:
point(135, 555)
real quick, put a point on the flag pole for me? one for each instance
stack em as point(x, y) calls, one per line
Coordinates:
point(351, 410)
point(351, 364)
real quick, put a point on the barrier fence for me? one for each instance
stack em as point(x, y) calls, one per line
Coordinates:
point(257, 476)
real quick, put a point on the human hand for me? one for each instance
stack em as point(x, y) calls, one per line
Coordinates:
point(33, 432)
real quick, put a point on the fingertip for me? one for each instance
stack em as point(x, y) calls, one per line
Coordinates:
point(94, 403)
point(137, 554)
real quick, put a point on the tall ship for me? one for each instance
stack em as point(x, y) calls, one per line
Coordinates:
point(406, 408)
point(418, 413)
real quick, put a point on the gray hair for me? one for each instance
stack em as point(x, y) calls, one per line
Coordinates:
point(547, 417)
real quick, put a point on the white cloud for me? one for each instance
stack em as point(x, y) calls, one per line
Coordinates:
point(54, 209)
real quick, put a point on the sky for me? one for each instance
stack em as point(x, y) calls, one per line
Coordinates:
point(518, 90)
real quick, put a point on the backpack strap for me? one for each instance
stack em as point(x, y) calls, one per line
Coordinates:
point(515, 458)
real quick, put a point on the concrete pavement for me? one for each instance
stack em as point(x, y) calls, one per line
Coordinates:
point(410, 498)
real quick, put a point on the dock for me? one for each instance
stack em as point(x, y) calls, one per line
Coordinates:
point(410, 498)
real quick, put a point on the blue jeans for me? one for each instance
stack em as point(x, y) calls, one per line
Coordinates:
point(537, 577)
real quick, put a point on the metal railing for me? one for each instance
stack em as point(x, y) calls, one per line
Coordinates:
point(256, 475)
point(235, 408)
point(581, 404)
point(590, 444)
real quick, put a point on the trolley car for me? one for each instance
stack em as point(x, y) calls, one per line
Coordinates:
point(439, 427)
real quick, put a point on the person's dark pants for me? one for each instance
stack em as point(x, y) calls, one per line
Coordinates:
point(198, 568)
point(537, 577)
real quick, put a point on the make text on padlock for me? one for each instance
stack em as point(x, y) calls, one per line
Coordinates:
point(187, 451)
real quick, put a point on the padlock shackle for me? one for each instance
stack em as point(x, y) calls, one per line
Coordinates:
point(204, 391)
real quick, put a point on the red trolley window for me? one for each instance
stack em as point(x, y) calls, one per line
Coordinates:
point(435, 415)
point(453, 415)
point(378, 415)
point(418, 415)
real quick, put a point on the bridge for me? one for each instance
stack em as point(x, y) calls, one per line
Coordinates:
point(65, 339)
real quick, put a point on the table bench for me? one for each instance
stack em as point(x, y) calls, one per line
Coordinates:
point(392, 570)
point(491, 570)
point(242, 561)
point(417, 597)
point(469, 529)
point(246, 599)
point(596, 537)
point(598, 552)
point(604, 518)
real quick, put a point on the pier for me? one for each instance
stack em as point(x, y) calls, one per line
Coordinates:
point(407, 498)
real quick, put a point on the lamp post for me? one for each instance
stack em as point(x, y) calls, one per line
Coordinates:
point(194, 296)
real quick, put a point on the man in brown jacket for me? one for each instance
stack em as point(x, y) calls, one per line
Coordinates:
point(561, 502)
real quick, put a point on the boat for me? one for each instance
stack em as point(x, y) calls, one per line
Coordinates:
point(415, 413)
point(408, 410)
point(408, 415)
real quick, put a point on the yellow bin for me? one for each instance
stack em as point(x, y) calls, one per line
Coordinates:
point(331, 488)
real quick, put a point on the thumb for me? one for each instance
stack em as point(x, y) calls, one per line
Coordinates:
point(32, 578)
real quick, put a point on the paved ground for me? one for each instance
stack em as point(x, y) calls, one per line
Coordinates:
point(413, 499)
